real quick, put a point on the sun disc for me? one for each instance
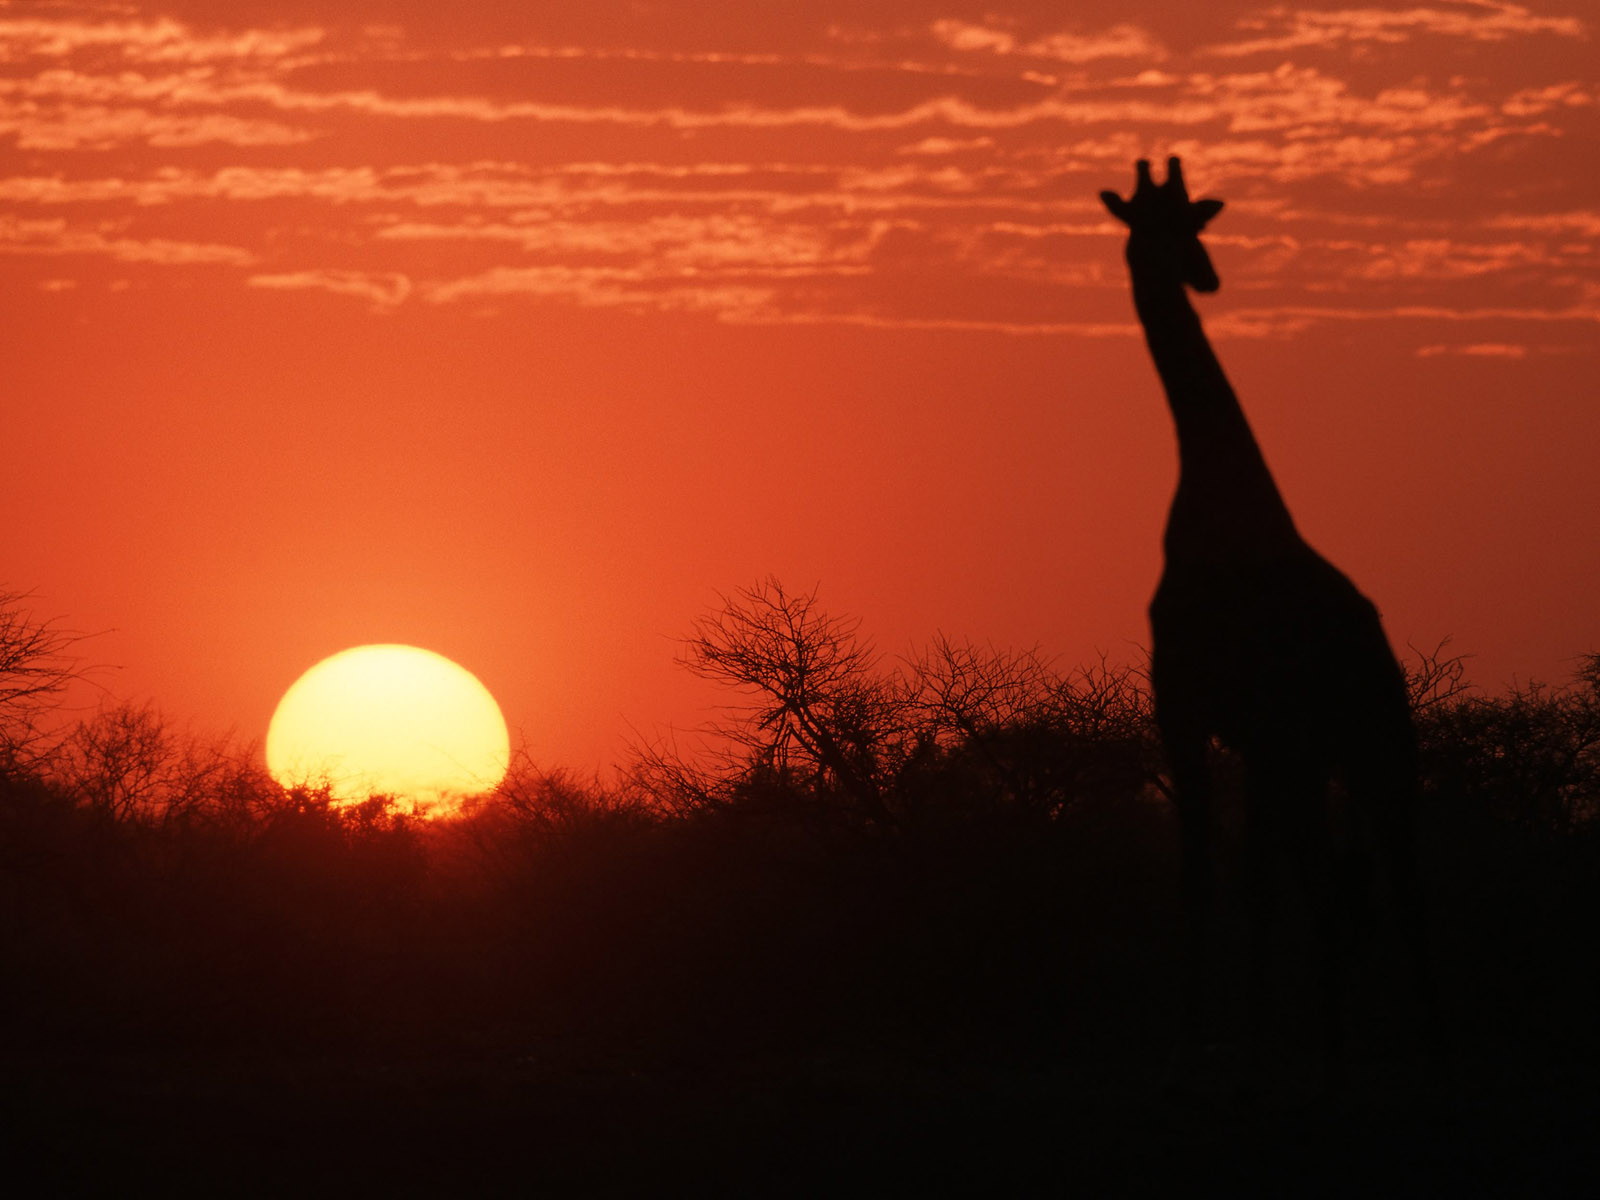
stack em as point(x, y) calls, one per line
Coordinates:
point(390, 719)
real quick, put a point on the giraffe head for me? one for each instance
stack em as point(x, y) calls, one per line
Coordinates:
point(1164, 228)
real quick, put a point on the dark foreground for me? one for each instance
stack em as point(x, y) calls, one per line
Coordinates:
point(569, 1123)
point(747, 1025)
point(951, 968)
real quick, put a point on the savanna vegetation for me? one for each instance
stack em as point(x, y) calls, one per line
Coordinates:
point(890, 877)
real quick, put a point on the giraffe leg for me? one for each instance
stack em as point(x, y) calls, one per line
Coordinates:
point(1263, 800)
point(1321, 861)
point(1332, 934)
point(1385, 778)
point(1397, 828)
point(1186, 756)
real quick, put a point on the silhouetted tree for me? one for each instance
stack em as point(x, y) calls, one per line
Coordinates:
point(955, 734)
point(36, 665)
point(1043, 741)
point(1530, 756)
point(127, 765)
point(962, 692)
point(819, 708)
point(1435, 678)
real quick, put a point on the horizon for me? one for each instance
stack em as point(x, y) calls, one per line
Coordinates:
point(522, 338)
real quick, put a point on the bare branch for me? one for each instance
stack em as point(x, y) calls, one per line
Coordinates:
point(36, 667)
point(817, 701)
point(1435, 678)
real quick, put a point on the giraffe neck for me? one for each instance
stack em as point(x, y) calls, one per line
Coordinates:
point(1227, 505)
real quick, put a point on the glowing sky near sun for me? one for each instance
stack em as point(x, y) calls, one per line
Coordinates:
point(517, 331)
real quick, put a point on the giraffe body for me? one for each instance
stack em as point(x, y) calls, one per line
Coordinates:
point(1281, 659)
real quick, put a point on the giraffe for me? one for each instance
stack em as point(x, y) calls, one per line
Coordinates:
point(1259, 642)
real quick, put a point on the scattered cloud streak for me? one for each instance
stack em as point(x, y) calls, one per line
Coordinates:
point(52, 237)
point(937, 176)
point(1501, 350)
point(1282, 27)
point(155, 40)
point(381, 290)
point(1117, 41)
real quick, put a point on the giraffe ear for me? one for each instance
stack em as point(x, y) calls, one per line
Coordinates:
point(1204, 212)
point(1116, 205)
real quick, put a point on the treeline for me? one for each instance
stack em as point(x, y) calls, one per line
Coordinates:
point(968, 848)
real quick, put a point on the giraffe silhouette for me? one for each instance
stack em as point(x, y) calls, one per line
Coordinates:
point(1260, 643)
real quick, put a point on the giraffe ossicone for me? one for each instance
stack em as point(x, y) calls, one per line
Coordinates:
point(1164, 225)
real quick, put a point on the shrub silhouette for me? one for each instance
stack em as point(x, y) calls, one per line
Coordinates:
point(36, 665)
point(966, 852)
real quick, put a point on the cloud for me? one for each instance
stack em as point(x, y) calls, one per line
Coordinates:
point(1583, 223)
point(1041, 328)
point(945, 145)
point(680, 241)
point(1282, 28)
point(786, 194)
point(1370, 159)
point(609, 287)
point(596, 191)
point(962, 35)
point(1476, 350)
point(591, 191)
point(1533, 101)
point(739, 304)
point(159, 40)
point(1305, 99)
point(168, 184)
point(638, 289)
point(1288, 319)
point(1444, 258)
point(1119, 41)
point(57, 237)
point(384, 289)
point(94, 127)
point(64, 108)
point(199, 89)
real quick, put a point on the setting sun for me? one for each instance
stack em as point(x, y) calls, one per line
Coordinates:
point(390, 719)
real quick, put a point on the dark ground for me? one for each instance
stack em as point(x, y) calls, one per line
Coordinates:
point(924, 1046)
point(580, 1124)
point(238, 991)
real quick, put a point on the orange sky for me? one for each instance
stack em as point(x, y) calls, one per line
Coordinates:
point(518, 332)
